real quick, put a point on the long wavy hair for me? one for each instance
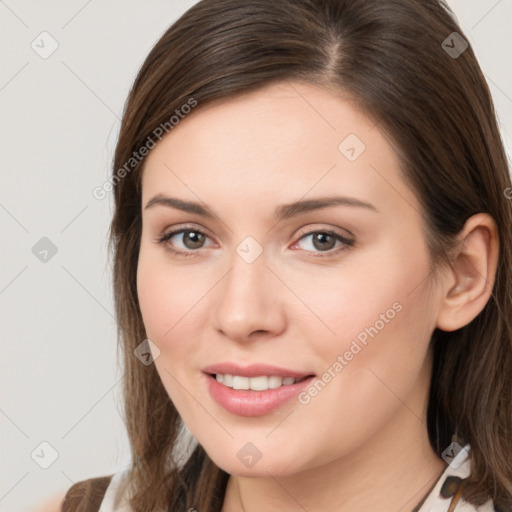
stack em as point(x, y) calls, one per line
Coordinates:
point(427, 93)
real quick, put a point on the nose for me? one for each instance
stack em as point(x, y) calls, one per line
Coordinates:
point(248, 303)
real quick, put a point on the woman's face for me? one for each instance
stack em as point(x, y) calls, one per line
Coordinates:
point(340, 292)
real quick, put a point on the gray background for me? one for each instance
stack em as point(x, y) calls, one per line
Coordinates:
point(59, 377)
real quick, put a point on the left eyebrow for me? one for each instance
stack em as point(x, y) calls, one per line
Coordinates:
point(306, 205)
point(282, 212)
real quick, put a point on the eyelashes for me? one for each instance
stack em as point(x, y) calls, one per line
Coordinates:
point(319, 235)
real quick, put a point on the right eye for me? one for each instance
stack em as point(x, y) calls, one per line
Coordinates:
point(192, 240)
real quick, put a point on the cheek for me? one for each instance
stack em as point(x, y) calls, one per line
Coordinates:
point(363, 293)
point(169, 306)
point(167, 295)
point(369, 375)
point(382, 319)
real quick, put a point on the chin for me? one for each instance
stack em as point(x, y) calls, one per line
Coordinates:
point(275, 463)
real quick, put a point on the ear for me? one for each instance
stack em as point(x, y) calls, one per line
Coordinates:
point(468, 284)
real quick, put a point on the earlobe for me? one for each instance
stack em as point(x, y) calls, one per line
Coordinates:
point(469, 282)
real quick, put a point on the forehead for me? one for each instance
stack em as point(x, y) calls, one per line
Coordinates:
point(285, 139)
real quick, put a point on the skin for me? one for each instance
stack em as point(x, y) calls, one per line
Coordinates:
point(53, 504)
point(361, 443)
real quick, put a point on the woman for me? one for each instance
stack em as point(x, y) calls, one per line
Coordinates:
point(312, 266)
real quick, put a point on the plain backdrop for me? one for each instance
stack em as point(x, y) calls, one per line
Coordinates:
point(59, 376)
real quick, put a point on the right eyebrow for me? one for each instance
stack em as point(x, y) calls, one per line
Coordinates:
point(179, 204)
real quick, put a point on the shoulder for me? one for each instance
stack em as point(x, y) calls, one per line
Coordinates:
point(86, 495)
point(53, 504)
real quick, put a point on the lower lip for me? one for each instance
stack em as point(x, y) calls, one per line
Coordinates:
point(253, 403)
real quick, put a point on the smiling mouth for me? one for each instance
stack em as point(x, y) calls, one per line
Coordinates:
point(259, 383)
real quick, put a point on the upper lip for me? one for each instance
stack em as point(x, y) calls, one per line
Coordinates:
point(253, 370)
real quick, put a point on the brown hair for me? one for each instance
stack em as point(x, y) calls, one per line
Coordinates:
point(436, 108)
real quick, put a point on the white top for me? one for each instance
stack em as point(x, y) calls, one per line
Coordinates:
point(115, 499)
point(460, 466)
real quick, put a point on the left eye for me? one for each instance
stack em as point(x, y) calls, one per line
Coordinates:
point(323, 241)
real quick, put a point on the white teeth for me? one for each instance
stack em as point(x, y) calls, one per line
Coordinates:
point(240, 382)
point(227, 380)
point(275, 382)
point(260, 383)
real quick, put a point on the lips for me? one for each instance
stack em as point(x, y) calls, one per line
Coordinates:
point(252, 402)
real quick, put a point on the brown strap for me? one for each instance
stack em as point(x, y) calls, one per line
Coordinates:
point(452, 488)
point(87, 495)
point(456, 498)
